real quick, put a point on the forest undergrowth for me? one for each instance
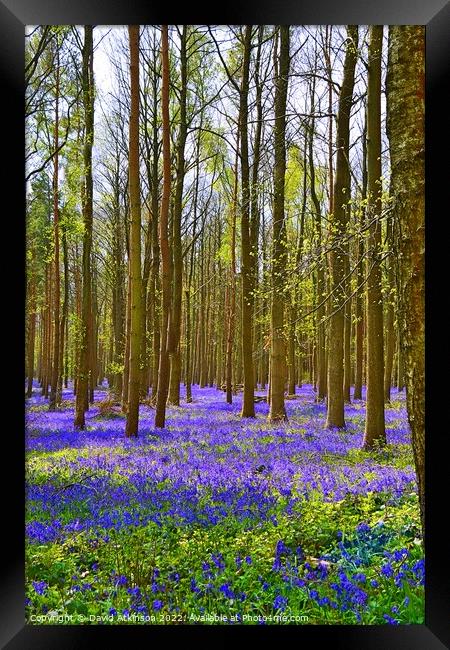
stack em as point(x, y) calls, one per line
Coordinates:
point(219, 519)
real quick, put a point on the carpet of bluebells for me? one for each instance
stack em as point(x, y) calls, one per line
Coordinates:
point(218, 519)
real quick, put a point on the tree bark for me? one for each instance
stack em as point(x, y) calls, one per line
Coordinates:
point(131, 429)
point(335, 400)
point(57, 294)
point(164, 361)
point(247, 298)
point(374, 430)
point(81, 404)
point(359, 302)
point(175, 319)
point(31, 332)
point(279, 247)
point(405, 120)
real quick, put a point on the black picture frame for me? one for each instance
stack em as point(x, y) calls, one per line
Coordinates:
point(435, 14)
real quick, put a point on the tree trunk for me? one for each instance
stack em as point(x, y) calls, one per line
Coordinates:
point(374, 430)
point(81, 404)
point(247, 298)
point(231, 314)
point(64, 319)
point(405, 120)
point(335, 400)
point(359, 302)
point(175, 319)
point(164, 362)
point(57, 295)
point(31, 333)
point(279, 252)
point(131, 429)
point(390, 329)
point(126, 366)
point(321, 375)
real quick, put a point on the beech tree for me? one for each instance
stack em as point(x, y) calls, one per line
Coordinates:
point(164, 361)
point(339, 220)
point(374, 430)
point(135, 280)
point(82, 402)
point(405, 124)
point(279, 252)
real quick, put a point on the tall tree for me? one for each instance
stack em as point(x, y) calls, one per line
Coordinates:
point(339, 220)
point(279, 253)
point(57, 280)
point(374, 430)
point(175, 319)
point(131, 428)
point(359, 302)
point(164, 361)
point(247, 300)
point(405, 122)
point(82, 403)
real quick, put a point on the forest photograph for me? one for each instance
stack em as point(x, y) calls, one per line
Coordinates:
point(225, 327)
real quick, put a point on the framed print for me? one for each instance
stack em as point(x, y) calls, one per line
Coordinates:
point(227, 316)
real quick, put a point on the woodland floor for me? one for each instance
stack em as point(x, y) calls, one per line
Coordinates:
point(216, 519)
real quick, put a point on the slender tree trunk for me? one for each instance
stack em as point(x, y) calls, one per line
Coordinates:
point(247, 298)
point(347, 338)
point(279, 252)
point(31, 333)
point(405, 119)
point(321, 376)
point(175, 320)
point(374, 431)
point(232, 287)
point(359, 302)
point(126, 367)
point(94, 336)
point(131, 429)
point(155, 287)
point(390, 329)
point(81, 404)
point(64, 319)
point(335, 400)
point(164, 361)
point(57, 296)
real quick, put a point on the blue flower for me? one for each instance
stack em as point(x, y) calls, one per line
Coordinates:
point(40, 587)
point(157, 605)
point(280, 602)
point(399, 555)
point(363, 528)
point(387, 570)
point(134, 591)
point(390, 620)
point(374, 583)
point(248, 559)
point(194, 587)
point(112, 611)
point(359, 577)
